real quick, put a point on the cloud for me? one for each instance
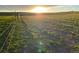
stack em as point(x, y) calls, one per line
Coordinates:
point(51, 8)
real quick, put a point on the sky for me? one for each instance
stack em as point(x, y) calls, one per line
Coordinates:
point(50, 8)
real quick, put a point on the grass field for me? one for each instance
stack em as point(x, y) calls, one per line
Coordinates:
point(48, 33)
point(5, 27)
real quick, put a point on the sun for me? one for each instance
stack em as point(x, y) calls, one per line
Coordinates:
point(39, 10)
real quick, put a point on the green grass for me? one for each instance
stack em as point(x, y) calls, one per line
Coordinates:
point(60, 32)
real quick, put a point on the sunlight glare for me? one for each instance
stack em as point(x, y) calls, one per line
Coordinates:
point(39, 10)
